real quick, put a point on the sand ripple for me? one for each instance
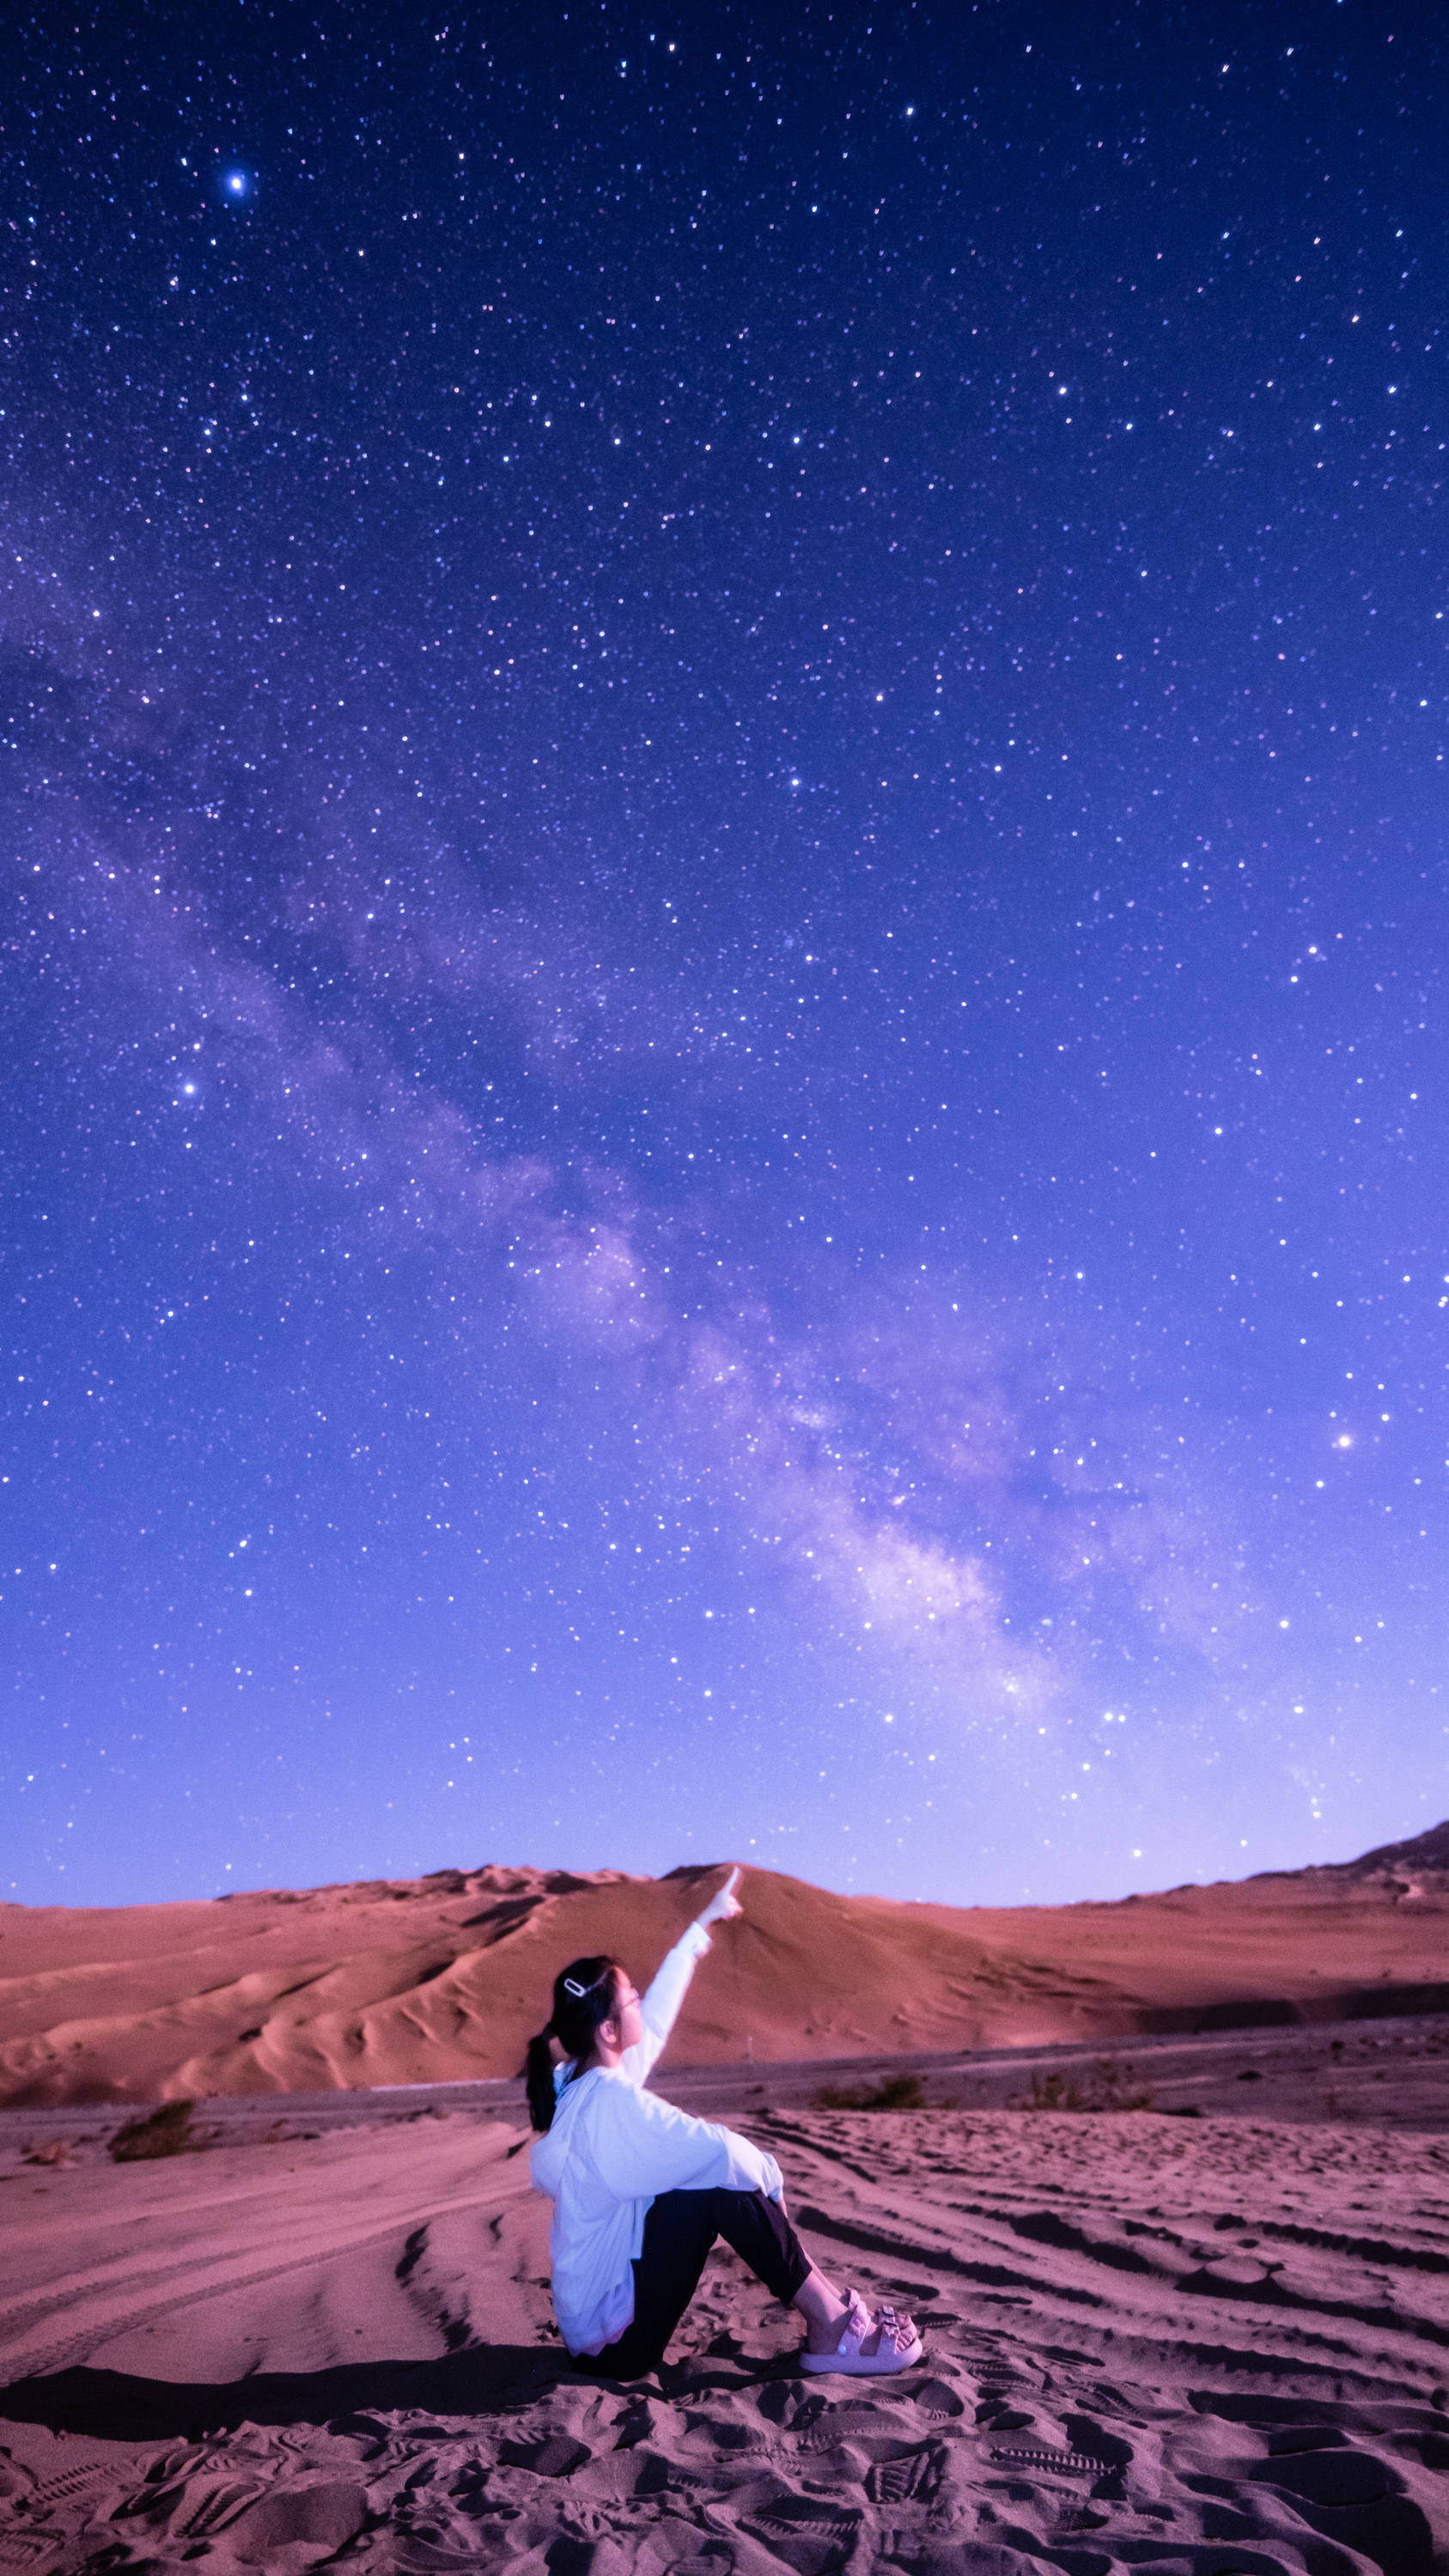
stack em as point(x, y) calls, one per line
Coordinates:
point(1206, 2349)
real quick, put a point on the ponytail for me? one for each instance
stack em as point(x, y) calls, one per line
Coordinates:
point(538, 2077)
point(583, 1997)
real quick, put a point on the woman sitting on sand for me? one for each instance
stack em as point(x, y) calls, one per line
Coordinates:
point(640, 2191)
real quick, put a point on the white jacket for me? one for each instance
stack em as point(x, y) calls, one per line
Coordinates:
point(612, 2149)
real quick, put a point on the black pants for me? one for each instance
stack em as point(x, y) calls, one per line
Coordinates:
point(678, 2233)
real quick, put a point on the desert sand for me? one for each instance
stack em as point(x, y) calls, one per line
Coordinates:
point(424, 1980)
point(1217, 2346)
point(1207, 2335)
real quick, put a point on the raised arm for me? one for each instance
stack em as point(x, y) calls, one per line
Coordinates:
point(660, 2006)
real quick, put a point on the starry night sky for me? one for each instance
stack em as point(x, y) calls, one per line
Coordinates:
point(723, 1016)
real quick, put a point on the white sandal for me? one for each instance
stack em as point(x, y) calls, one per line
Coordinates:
point(899, 2346)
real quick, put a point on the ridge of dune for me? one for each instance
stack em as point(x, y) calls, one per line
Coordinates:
point(1423, 1851)
point(443, 1977)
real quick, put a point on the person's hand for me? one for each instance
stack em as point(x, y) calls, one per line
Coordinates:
point(724, 1905)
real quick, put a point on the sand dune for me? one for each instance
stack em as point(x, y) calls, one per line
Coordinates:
point(1217, 2349)
point(1212, 2346)
point(443, 1977)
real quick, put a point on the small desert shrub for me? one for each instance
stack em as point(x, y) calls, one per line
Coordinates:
point(893, 2093)
point(1109, 2086)
point(166, 2132)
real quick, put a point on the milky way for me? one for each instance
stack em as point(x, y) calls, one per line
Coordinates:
point(723, 1020)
